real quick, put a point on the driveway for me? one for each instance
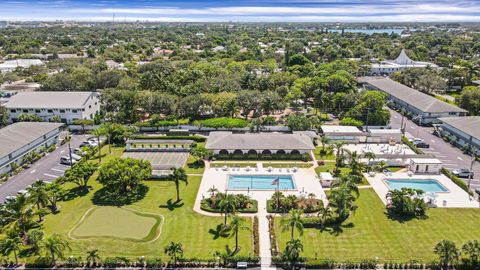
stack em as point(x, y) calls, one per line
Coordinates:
point(47, 168)
point(452, 157)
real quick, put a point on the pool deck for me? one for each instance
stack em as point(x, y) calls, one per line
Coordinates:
point(454, 198)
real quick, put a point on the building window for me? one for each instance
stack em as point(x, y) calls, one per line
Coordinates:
point(50, 111)
point(13, 111)
point(37, 111)
point(62, 111)
point(25, 111)
point(74, 111)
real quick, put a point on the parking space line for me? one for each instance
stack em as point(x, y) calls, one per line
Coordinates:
point(33, 171)
point(50, 175)
point(460, 158)
point(57, 170)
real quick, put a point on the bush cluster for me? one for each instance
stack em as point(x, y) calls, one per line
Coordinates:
point(222, 122)
point(302, 157)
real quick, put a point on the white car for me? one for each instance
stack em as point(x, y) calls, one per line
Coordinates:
point(464, 173)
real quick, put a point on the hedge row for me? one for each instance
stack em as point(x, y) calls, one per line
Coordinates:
point(222, 122)
point(256, 237)
point(306, 211)
point(162, 137)
point(412, 146)
point(456, 180)
point(254, 209)
point(162, 123)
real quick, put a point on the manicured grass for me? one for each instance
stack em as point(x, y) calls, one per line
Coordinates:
point(316, 152)
point(194, 167)
point(369, 233)
point(181, 224)
point(329, 167)
point(117, 222)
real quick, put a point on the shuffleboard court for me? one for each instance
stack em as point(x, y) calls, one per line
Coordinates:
point(161, 160)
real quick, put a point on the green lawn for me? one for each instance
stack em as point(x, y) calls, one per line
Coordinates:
point(119, 223)
point(330, 156)
point(370, 233)
point(194, 167)
point(181, 224)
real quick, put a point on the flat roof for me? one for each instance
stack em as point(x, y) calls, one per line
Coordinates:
point(426, 161)
point(415, 98)
point(17, 135)
point(468, 124)
point(159, 141)
point(341, 129)
point(39, 99)
point(385, 130)
point(258, 141)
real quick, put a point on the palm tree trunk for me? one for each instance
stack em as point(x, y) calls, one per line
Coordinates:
point(292, 231)
point(236, 240)
point(16, 256)
point(177, 185)
point(225, 218)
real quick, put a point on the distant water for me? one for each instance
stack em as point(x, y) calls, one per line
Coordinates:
point(370, 31)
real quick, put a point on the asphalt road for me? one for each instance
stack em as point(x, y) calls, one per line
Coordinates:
point(47, 168)
point(452, 157)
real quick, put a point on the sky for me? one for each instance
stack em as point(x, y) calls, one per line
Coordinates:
point(243, 10)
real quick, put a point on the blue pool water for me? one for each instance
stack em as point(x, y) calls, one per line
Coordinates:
point(427, 185)
point(260, 182)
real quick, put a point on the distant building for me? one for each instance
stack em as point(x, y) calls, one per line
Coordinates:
point(422, 108)
point(225, 143)
point(350, 134)
point(219, 49)
point(465, 131)
point(11, 65)
point(21, 138)
point(401, 63)
point(68, 106)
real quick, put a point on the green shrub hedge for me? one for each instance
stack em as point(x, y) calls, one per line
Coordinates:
point(456, 180)
point(222, 123)
point(270, 209)
point(162, 137)
point(162, 123)
point(303, 157)
point(253, 209)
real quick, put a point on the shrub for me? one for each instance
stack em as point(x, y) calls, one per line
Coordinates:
point(222, 122)
point(406, 203)
point(154, 263)
point(456, 180)
point(245, 204)
point(256, 238)
point(348, 121)
point(286, 203)
point(163, 137)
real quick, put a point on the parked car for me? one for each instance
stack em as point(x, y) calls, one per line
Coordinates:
point(66, 160)
point(415, 140)
point(79, 152)
point(22, 192)
point(90, 144)
point(75, 156)
point(464, 173)
point(422, 145)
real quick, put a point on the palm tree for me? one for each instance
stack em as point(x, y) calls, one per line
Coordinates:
point(342, 199)
point(212, 191)
point(292, 252)
point(235, 226)
point(99, 132)
point(472, 250)
point(447, 252)
point(324, 140)
point(11, 244)
point(347, 181)
point(369, 156)
point(325, 214)
point(382, 165)
point(355, 165)
point(38, 196)
point(174, 250)
point(338, 146)
point(293, 221)
point(92, 257)
point(55, 246)
point(179, 174)
point(228, 205)
point(20, 213)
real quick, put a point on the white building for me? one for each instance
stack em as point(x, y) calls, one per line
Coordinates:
point(21, 138)
point(11, 65)
point(225, 143)
point(401, 63)
point(425, 165)
point(350, 134)
point(68, 106)
point(464, 131)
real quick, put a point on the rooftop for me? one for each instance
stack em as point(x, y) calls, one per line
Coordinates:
point(417, 99)
point(426, 161)
point(19, 134)
point(469, 124)
point(258, 141)
point(49, 100)
point(341, 129)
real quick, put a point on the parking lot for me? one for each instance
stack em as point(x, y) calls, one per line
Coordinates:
point(47, 168)
point(451, 156)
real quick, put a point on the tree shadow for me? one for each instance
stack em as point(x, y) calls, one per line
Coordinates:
point(105, 196)
point(172, 205)
point(403, 218)
point(219, 231)
point(76, 192)
point(336, 229)
point(198, 164)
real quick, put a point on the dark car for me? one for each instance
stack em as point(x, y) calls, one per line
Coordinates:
point(422, 145)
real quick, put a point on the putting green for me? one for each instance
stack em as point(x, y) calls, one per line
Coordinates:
point(119, 223)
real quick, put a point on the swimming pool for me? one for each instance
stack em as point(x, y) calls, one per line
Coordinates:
point(260, 182)
point(427, 185)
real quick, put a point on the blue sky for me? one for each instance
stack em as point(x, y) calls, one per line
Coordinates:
point(243, 10)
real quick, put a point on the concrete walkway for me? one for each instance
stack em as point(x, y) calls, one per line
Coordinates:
point(264, 235)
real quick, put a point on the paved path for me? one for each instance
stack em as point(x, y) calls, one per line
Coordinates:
point(451, 156)
point(264, 235)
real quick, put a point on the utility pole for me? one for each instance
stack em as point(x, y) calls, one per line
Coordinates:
point(471, 173)
point(70, 154)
